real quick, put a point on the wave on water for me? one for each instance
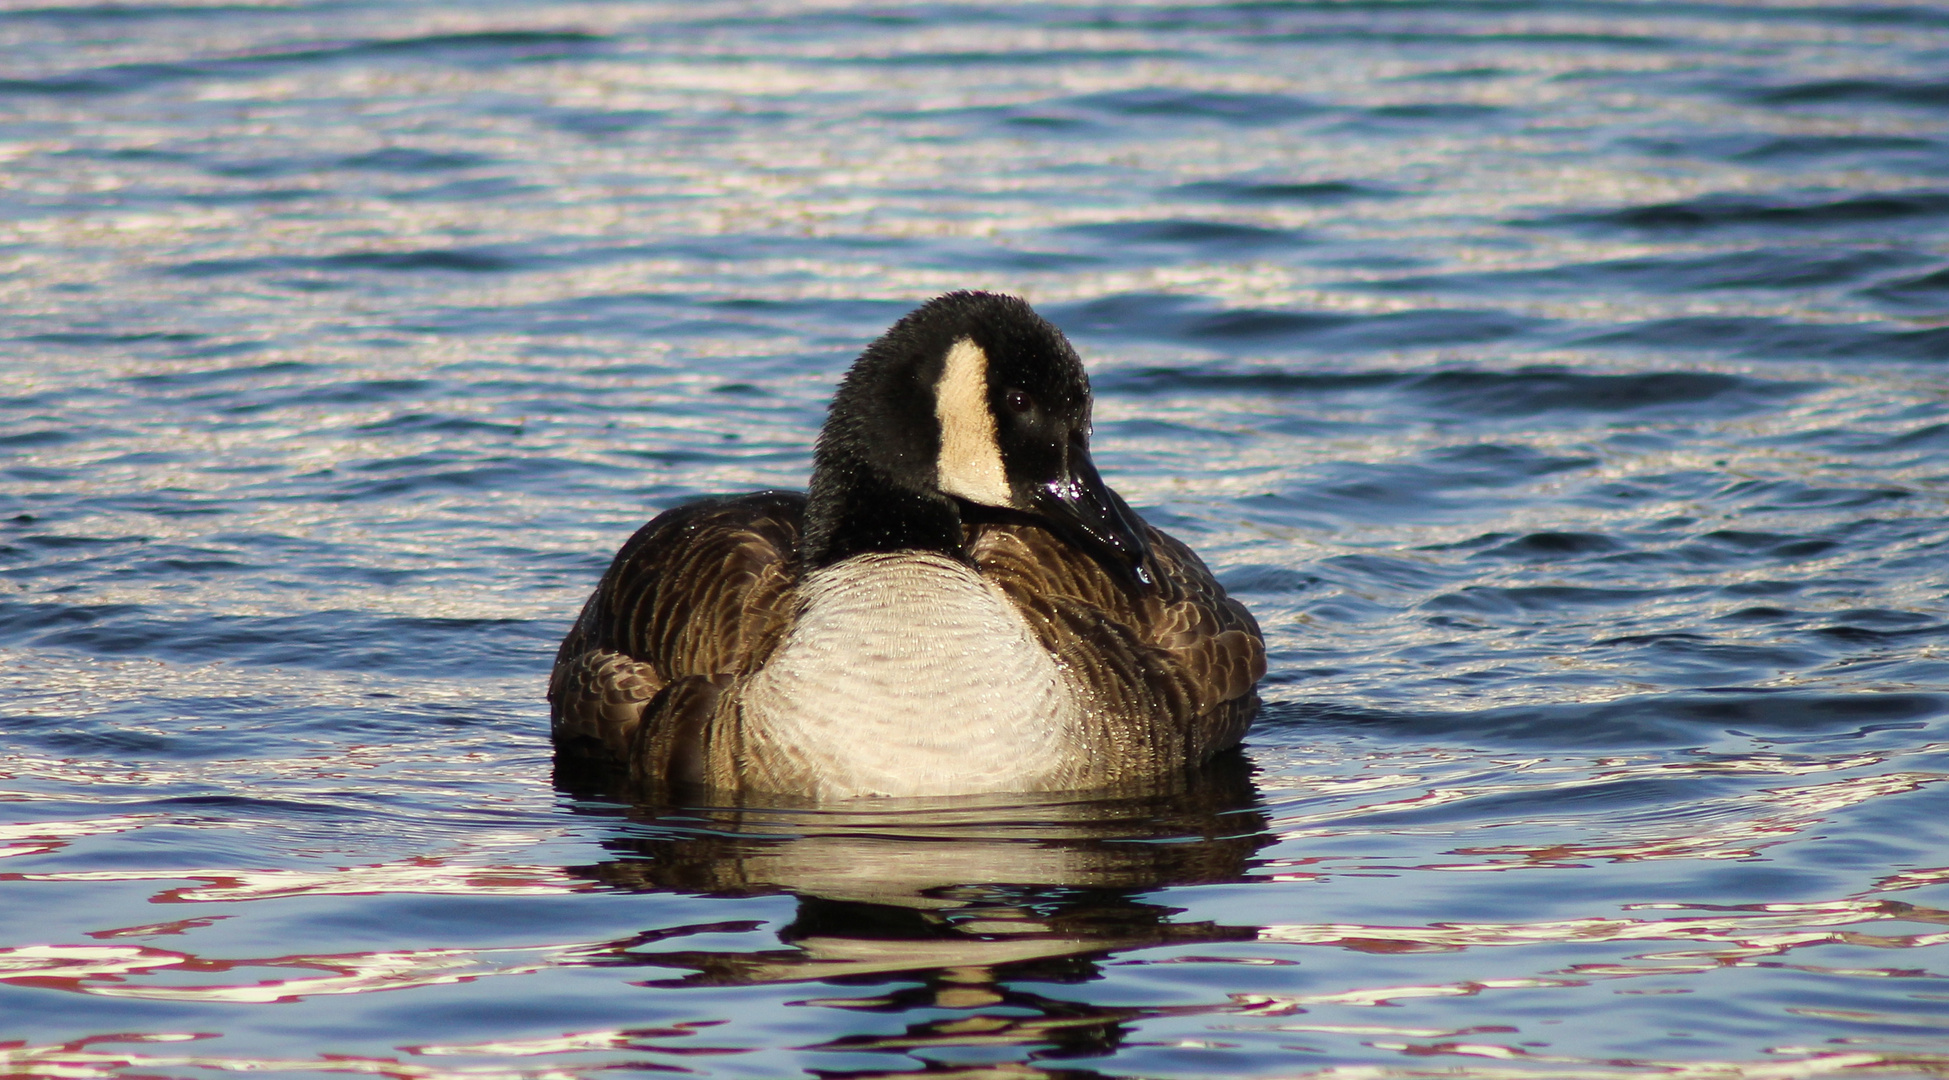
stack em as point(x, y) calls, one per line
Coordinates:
point(1558, 384)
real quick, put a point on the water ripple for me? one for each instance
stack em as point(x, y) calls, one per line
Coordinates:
point(1558, 383)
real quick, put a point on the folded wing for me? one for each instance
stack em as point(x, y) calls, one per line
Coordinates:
point(702, 592)
point(1171, 670)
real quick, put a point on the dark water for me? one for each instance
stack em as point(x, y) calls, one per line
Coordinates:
point(1561, 383)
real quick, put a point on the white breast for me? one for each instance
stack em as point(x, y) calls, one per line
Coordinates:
point(907, 674)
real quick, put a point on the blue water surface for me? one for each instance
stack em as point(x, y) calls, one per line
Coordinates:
point(1562, 385)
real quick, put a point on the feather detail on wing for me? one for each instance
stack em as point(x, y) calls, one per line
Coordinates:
point(703, 591)
point(1183, 656)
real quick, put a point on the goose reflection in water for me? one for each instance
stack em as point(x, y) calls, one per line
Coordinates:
point(950, 903)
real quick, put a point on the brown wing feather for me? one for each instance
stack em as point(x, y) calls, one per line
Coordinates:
point(1181, 659)
point(704, 590)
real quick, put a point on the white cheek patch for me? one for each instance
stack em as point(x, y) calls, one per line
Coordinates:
point(970, 464)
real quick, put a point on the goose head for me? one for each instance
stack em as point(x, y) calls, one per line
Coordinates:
point(971, 400)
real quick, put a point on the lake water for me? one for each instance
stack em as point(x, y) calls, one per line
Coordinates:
point(1562, 385)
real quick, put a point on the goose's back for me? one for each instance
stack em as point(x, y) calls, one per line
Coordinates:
point(1172, 670)
point(705, 590)
point(700, 598)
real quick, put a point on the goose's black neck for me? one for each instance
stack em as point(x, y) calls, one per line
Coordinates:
point(855, 509)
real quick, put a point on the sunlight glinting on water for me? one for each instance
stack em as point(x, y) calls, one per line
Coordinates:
point(1558, 384)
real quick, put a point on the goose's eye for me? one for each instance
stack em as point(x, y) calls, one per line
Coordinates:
point(1017, 401)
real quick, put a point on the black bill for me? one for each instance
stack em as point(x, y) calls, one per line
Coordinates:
point(1084, 509)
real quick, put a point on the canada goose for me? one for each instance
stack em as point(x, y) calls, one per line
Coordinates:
point(959, 605)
